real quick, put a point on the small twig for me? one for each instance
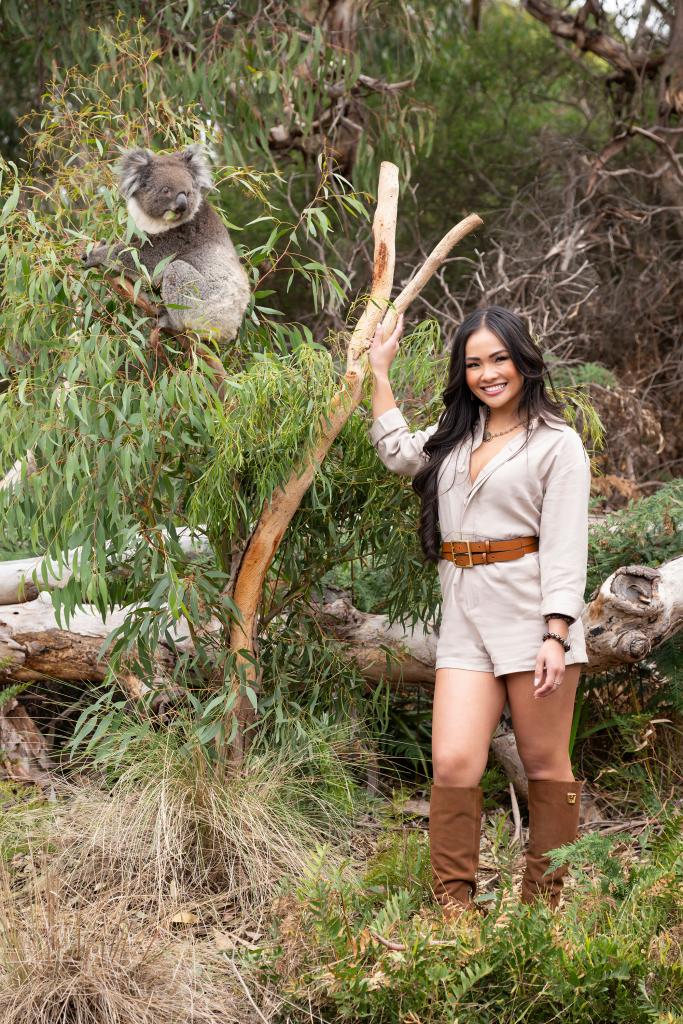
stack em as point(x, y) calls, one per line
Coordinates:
point(607, 825)
point(488, 881)
point(125, 288)
point(516, 817)
point(246, 990)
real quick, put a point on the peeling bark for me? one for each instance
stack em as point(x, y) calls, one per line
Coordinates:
point(23, 748)
point(34, 646)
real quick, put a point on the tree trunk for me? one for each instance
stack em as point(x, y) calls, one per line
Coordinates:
point(279, 510)
point(671, 96)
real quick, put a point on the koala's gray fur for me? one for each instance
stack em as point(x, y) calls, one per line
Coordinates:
point(165, 196)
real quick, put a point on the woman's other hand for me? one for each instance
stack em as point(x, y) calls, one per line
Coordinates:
point(383, 351)
point(549, 671)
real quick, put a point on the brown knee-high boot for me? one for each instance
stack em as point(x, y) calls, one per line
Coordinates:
point(454, 835)
point(553, 821)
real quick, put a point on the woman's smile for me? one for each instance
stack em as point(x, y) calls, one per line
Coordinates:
point(491, 374)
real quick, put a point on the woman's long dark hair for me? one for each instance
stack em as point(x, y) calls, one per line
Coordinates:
point(461, 414)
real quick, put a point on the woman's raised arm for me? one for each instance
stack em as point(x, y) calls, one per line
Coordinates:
point(398, 448)
point(381, 355)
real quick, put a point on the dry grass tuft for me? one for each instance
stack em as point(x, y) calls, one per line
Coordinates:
point(119, 903)
point(93, 965)
point(166, 840)
point(177, 829)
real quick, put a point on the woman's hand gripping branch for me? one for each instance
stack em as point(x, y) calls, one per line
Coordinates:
point(381, 355)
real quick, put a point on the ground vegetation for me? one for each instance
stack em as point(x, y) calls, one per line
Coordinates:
point(145, 874)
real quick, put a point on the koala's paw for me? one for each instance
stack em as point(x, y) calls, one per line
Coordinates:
point(96, 257)
point(164, 320)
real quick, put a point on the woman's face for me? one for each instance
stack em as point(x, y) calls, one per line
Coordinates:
point(490, 373)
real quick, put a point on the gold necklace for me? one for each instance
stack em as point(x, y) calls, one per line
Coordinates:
point(488, 436)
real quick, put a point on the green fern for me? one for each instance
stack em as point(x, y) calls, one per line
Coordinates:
point(397, 908)
point(467, 979)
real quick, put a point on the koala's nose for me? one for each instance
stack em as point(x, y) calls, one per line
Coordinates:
point(181, 202)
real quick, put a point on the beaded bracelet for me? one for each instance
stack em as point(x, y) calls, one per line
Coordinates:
point(560, 639)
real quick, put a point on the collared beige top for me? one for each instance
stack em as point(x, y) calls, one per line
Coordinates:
point(540, 488)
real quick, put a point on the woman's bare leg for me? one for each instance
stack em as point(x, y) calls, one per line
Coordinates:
point(467, 708)
point(542, 726)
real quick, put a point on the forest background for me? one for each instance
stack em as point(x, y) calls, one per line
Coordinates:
point(207, 822)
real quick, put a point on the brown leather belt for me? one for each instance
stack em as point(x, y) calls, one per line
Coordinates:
point(468, 553)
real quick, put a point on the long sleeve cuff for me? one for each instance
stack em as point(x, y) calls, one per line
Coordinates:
point(384, 424)
point(560, 615)
point(562, 603)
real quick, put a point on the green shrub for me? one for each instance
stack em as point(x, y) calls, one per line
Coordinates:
point(611, 955)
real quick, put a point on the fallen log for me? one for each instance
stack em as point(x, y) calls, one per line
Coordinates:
point(636, 609)
point(22, 579)
point(34, 646)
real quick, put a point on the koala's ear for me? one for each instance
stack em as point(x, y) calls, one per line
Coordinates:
point(195, 158)
point(132, 166)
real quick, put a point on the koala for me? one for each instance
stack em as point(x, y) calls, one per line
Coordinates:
point(204, 287)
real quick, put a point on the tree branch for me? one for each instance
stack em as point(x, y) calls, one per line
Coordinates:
point(572, 27)
point(278, 512)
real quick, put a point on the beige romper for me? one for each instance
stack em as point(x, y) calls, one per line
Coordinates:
point(492, 615)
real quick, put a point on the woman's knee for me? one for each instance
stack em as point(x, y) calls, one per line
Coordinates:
point(458, 768)
point(548, 763)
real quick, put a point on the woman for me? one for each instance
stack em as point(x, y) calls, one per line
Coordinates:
point(504, 485)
